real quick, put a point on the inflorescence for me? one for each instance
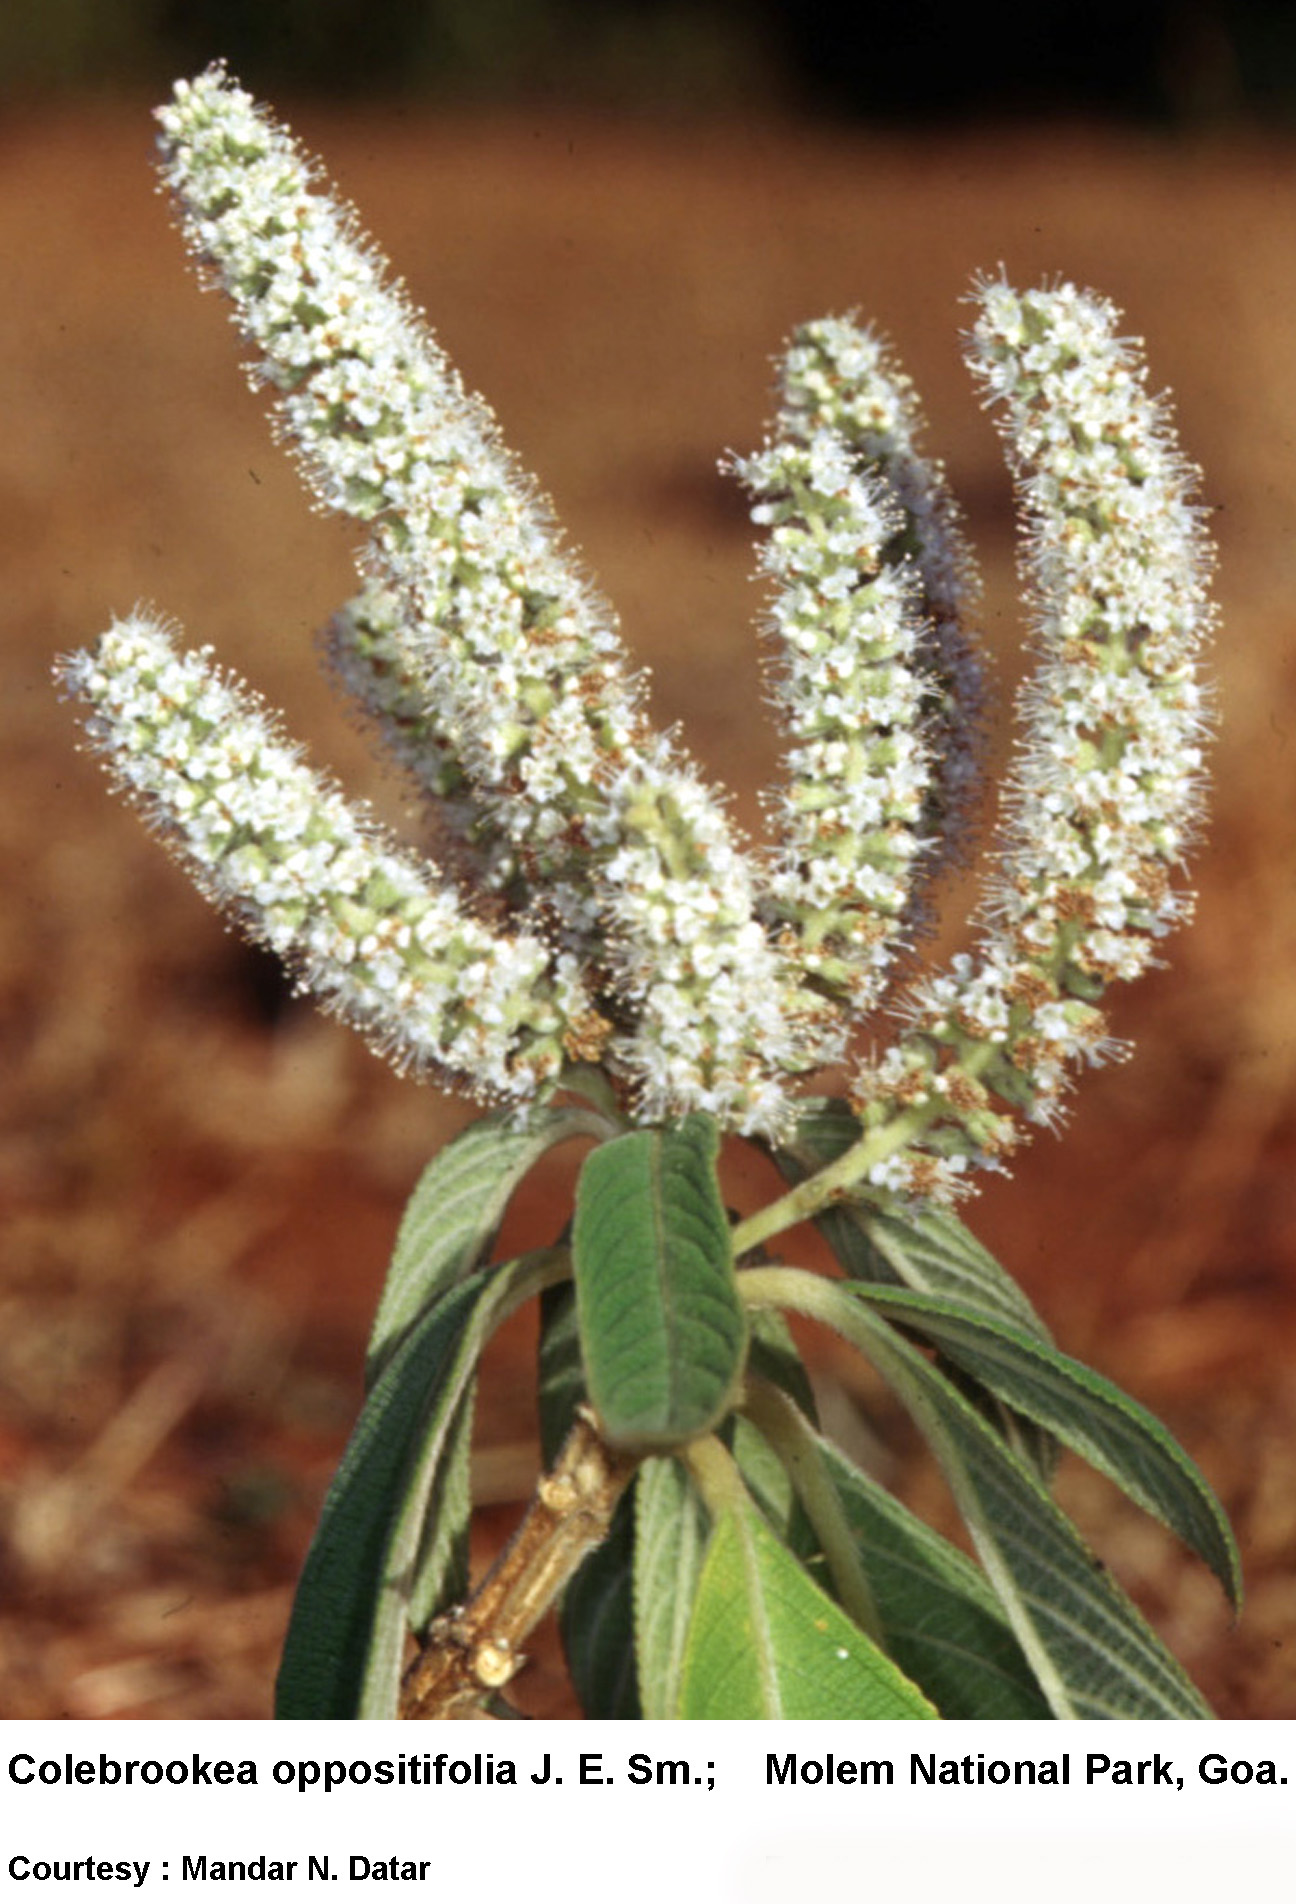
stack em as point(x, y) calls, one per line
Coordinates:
point(629, 925)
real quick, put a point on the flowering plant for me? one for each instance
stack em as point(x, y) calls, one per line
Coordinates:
point(601, 958)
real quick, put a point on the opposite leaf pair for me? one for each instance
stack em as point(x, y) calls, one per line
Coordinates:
point(716, 1556)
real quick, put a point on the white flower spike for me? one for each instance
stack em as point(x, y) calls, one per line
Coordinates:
point(1106, 793)
point(875, 681)
point(370, 932)
point(575, 798)
point(629, 927)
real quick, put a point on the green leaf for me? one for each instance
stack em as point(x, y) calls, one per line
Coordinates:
point(1092, 1652)
point(671, 1527)
point(670, 1540)
point(774, 1355)
point(345, 1639)
point(597, 1625)
point(1090, 1414)
point(450, 1221)
point(440, 1513)
point(663, 1334)
point(628, 1606)
point(339, 1616)
point(769, 1485)
point(826, 1127)
point(930, 1250)
point(630, 1601)
point(940, 1618)
point(561, 1377)
point(765, 1642)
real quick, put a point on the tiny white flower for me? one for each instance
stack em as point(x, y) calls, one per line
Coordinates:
point(873, 667)
point(367, 929)
point(1106, 787)
point(478, 644)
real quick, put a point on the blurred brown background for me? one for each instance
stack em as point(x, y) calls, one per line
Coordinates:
point(199, 1178)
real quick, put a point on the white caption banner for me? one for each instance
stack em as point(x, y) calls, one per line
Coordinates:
point(548, 1811)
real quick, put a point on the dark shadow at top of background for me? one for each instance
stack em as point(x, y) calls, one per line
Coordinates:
point(1157, 62)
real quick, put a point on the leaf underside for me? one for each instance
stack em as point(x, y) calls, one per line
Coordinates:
point(344, 1611)
point(450, 1221)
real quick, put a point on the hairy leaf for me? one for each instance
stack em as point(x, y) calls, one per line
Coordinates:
point(766, 1643)
point(1093, 1653)
point(596, 1615)
point(596, 1621)
point(1090, 1414)
point(348, 1612)
point(354, 1600)
point(940, 1618)
point(450, 1221)
point(670, 1540)
point(663, 1335)
point(926, 1248)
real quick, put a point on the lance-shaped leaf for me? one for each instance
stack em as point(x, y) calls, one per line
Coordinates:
point(931, 1610)
point(343, 1650)
point(766, 1643)
point(663, 1334)
point(596, 1621)
point(670, 1542)
point(671, 1522)
point(773, 1357)
point(929, 1251)
point(1093, 1653)
point(624, 1615)
point(941, 1621)
point(1117, 1436)
point(450, 1221)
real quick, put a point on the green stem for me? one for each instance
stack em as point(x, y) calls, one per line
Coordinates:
point(793, 1440)
point(716, 1475)
point(835, 1181)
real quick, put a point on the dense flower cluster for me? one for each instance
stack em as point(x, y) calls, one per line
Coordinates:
point(373, 933)
point(637, 930)
point(876, 684)
point(490, 627)
point(1107, 787)
point(841, 378)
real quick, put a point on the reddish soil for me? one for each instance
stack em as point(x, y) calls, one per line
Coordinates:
point(200, 1180)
